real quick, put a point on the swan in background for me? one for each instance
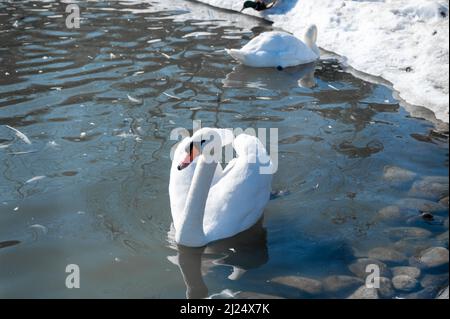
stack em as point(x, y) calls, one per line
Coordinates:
point(209, 203)
point(278, 49)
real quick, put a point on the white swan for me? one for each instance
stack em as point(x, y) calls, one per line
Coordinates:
point(209, 203)
point(278, 49)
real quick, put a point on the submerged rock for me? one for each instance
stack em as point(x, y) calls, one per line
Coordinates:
point(423, 205)
point(404, 283)
point(434, 257)
point(364, 293)
point(387, 254)
point(443, 239)
point(412, 272)
point(359, 267)
point(444, 201)
point(433, 187)
point(308, 285)
point(397, 174)
point(386, 289)
point(389, 213)
point(434, 280)
point(426, 293)
point(425, 219)
point(338, 283)
point(413, 246)
point(405, 232)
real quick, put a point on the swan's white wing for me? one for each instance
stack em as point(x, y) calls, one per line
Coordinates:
point(305, 53)
point(289, 51)
point(298, 54)
point(260, 51)
point(267, 41)
point(237, 200)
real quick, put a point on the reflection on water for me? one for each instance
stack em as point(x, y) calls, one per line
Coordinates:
point(98, 105)
point(245, 251)
point(269, 79)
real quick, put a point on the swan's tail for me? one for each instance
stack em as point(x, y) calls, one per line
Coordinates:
point(311, 35)
point(236, 54)
point(311, 39)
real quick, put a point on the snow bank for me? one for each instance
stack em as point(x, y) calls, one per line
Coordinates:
point(405, 42)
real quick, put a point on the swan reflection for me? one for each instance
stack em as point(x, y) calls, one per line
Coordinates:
point(270, 78)
point(245, 251)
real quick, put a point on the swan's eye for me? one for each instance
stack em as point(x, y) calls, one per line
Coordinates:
point(190, 148)
point(193, 152)
point(202, 142)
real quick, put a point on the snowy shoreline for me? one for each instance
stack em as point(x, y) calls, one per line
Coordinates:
point(405, 42)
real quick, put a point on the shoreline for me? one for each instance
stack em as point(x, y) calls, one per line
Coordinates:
point(416, 76)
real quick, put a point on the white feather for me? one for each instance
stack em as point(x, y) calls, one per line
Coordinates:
point(34, 179)
point(133, 99)
point(19, 134)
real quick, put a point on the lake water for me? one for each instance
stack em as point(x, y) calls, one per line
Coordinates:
point(98, 105)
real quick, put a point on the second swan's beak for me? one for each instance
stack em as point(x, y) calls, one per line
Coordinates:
point(189, 158)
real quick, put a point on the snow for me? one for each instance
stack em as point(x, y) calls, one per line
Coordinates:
point(405, 42)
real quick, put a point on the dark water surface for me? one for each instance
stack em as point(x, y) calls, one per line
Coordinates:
point(98, 104)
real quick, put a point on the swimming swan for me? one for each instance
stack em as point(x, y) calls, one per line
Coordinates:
point(209, 203)
point(278, 49)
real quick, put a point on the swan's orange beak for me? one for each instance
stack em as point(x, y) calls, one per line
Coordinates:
point(194, 152)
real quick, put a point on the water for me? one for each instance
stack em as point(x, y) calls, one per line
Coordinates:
point(98, 104)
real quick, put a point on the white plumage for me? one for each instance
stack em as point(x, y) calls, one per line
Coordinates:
point(278, 49)
point(209, 203)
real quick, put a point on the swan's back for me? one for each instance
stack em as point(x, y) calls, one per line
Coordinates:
point(271, 42)
point(273, 49)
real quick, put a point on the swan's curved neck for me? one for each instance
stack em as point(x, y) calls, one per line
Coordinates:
point(189, 231)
